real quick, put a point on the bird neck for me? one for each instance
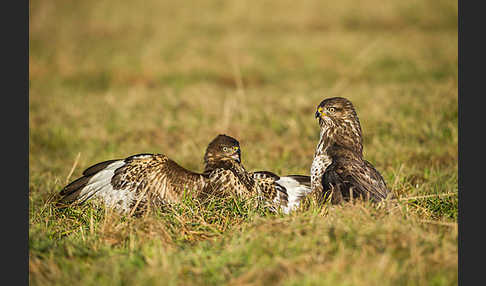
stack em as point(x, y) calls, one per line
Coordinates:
point(243, 175)
point(325, 141)
point(210, 165)
point(349, 137)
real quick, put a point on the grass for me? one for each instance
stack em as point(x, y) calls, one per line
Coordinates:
point(110, 79)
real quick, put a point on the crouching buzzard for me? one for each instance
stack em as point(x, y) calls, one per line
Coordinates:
point(142, 179)
point(154, 179)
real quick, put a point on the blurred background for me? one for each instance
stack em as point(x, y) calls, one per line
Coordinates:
point(109, 79)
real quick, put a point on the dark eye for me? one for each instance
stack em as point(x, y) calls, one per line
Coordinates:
point(225, 149)
point(331, 109)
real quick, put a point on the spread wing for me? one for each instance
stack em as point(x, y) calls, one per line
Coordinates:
point(353, 177)
point(125, 182)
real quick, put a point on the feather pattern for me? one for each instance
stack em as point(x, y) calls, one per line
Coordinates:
point(338, 168)
point(351, 177)
point(139, 178)
point(154, 179)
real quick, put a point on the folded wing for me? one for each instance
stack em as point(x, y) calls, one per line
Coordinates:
point(354, 178)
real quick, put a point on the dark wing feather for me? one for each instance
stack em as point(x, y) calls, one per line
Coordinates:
point(303, 180)
point(74, 185)
point(380, 189)
point(71, 192)
point(347, 177)
point(98, 167)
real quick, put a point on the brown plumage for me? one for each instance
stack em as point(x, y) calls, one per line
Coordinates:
point(338, 167)
point(155, 179)
point(141, 180)
point(273, 192)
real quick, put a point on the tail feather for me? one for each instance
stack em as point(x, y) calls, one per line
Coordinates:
point(297, 187)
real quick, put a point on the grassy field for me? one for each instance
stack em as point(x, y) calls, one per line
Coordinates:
point(109, 79)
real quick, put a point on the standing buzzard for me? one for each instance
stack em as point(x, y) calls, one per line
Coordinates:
point(338, 168)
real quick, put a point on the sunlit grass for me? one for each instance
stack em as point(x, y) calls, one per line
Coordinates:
point(108, 80)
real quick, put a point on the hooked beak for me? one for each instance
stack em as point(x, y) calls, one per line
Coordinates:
point(320, 113)
point(237, 155)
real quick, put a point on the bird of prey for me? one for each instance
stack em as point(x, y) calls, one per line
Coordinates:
point(338, 168)
point(154, 179)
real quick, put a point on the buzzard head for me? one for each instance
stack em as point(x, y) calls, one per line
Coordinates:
point(223, 149)
point(340, 123)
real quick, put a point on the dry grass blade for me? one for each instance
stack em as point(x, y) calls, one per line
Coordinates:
point(73, 167)
point(142, 195)
point(450, 224)
point(425, 196)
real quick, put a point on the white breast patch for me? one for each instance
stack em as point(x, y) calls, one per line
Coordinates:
point(318, 167)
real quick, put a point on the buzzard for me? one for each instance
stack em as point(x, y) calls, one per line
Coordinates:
point(154, 179)
point(338, 168)
point(142, 179)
